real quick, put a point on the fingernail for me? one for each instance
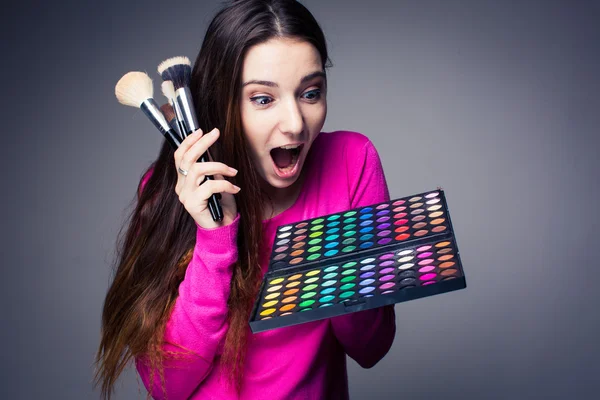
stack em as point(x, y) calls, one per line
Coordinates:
point(237, 188)
point(214, 132)
point(233, 170)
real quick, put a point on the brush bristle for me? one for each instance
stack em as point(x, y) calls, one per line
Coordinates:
point(167, 111)
point(134, 88)
point(177, 70)
point(168, 90)
point(169, 62)
point(180, 75)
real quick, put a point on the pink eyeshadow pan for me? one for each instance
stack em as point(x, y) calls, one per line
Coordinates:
point(427, 277)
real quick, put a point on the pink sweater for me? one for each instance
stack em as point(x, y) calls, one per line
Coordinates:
point(306, 361)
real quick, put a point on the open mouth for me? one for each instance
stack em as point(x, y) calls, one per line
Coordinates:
point(285, 159)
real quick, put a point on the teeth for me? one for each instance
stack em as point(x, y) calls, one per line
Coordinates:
point(290, 146)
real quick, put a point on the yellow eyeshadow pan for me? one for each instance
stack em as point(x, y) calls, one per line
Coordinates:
point(270, 303)
point(268, 311)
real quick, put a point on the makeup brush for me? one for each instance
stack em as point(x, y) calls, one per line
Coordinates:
point(178, 70)
point(135, 89)
point(169, 92)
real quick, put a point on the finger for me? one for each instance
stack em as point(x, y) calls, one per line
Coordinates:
point(217, 176)
point(187, 143)
point(200, 169)
point(209, 188)
point(194, 197)
point(199, 147)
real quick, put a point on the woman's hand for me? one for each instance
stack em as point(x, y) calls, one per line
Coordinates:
point(193, 191)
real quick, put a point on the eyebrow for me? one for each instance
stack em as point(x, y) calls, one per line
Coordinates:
point(273, 84)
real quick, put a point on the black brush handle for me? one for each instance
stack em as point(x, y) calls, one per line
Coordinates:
point(204, 158)
point(173, 138)
point(213, 203)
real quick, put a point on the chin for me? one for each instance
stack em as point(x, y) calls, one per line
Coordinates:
point(282, 183)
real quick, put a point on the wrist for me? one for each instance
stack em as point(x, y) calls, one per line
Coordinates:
point(219, 239)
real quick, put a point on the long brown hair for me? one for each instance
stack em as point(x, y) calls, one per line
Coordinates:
point(155, 243)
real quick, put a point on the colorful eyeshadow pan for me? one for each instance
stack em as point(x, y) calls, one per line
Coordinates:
point(359, 259)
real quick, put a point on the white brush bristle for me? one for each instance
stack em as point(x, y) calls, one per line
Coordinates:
point(133, 88)
point(168, 89)
point(173, 61)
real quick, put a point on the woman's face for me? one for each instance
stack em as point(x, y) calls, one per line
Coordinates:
point(283, 106)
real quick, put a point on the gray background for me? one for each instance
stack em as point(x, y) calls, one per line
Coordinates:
point(497, 102)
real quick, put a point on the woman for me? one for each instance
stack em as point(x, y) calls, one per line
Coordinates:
point(185, 284)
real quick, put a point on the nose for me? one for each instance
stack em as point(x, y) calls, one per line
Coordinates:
point(291, 119)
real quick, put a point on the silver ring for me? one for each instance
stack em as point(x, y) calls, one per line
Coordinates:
point(182, 171)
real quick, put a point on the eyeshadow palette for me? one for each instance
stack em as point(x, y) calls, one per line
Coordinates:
point(359, 259)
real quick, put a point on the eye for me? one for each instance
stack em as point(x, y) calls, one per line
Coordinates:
point(261, 100)
point(313, 94)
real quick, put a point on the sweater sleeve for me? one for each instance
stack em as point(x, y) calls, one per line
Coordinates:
point(197, 324)
point(366, 336)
